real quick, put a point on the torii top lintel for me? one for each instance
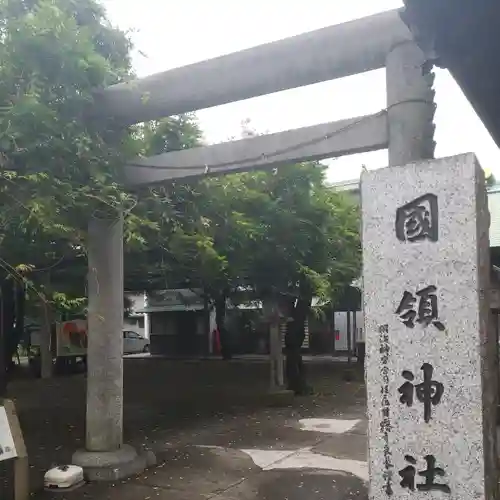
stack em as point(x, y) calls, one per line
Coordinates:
point(326, 54)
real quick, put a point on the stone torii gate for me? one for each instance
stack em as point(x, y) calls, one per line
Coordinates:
point(404, 127)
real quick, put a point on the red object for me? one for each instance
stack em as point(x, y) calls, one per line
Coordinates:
point(337, 335)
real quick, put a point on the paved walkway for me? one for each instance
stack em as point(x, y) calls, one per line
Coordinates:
point(263, 456)
point(214, 434)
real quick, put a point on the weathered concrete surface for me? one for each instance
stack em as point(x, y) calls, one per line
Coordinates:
point(354, 135)
point(104, 456)
point(333, 52)
point(111, 465)
point(431, 358)
point(410, 105)
point(208, 424)
point(105, 337)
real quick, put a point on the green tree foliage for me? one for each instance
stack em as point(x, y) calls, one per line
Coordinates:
point(279, 234)
point(57, 166)
point(274, 232)
point(154, 264)
point(283, 235)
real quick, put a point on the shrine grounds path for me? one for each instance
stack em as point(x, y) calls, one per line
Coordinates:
point(216, 432)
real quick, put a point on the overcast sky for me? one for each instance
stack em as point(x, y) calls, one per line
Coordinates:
point(169, 34)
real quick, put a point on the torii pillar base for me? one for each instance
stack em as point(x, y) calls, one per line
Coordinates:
point(113, 465)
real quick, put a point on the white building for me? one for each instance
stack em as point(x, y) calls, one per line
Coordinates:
point(137, 320)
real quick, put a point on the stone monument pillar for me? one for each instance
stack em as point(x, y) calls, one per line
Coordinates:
point(431, 374)
point(105, 456)
point(410, 104)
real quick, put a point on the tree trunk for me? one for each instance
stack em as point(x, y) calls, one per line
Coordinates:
point(294, 338)
point(349, 341)
point(46, 318)
point(220, 319)
point(46, 364)
point(271, 312)
point(20, 307)
point(206, 324)
point(7, 326)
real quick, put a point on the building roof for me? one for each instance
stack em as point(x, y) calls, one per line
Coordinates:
point(463, 36)
point(175, 299)
point(351, 185)
point(172, 305)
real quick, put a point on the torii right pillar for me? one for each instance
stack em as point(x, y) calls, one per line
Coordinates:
point(410, 105)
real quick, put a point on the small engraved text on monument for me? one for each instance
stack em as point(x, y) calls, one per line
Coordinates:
point(385, 423)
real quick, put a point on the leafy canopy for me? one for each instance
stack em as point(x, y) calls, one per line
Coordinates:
point(281, 232)
point(57, 167)
point(273, 232)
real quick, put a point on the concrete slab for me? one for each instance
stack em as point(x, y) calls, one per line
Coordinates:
point(293, 485)
point(350, 446)
point(307, 459)
point(328, 425)
point(261, 433)
point(126, 491)
point(210, 470)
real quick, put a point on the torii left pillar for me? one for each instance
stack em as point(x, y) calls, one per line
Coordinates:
point(105, 456)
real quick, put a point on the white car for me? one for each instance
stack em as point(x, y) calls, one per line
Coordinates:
point(134, 343)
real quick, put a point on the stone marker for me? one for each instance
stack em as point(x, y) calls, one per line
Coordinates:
point(431, 372)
